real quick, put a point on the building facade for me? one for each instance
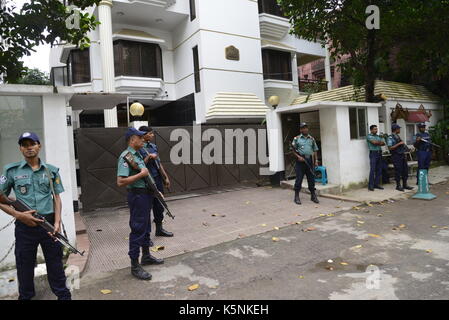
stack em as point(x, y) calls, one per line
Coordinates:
point(203, 61)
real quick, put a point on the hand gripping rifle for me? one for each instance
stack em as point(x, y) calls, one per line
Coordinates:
point(149, 182)
point(431, 143)
point(305, 160)
point(21, 206)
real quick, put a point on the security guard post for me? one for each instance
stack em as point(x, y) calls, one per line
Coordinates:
point(398, 148)
point(375, 158)
point(151, 158)
point(424, 148)
point(305, 149)
point(37, 184)
point(140, 201)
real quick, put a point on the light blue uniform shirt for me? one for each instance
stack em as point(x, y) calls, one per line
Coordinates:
point(372, 147)
point(32, 186)
point(123, 169)
point(305, 146)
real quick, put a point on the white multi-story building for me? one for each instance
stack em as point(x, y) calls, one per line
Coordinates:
point(203, 61)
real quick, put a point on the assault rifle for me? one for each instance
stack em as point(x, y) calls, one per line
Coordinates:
point(21, 206)
point(149, 182)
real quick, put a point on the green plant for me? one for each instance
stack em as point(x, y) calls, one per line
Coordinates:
point(439, 134)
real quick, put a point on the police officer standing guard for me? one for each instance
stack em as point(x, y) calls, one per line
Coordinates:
point(37, 184)
point(398, 148)
point(305, 149)
point(140, 201)
point(151, 157)
point(375, 158)
point(422, 142)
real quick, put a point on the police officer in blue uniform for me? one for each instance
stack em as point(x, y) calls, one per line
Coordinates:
point(375, 156)
point(140, 201)
point(151, 157)
point(424, 148)
point(35, 183)
point(398, 148)
point(305, 149)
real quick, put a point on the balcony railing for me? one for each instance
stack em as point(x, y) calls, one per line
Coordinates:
point(270, 7)
point(311, 85)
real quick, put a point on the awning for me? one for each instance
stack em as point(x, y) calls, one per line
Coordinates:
point(136, 35)
point(417, 116)
point(232, 105)
point(96, 100)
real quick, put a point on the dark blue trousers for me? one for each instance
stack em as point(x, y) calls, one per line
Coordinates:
point(375, 171)
point(158, 209)
point(424, 158)
point(400, 168)
point(139, 222)
point(27, 241)
point(302, 169)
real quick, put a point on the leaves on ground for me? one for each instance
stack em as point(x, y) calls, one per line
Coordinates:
point(276, 228)
point(206, 224)
point(106, 291)
point(429, 250)
point(331, 215)
point(356, 208)
point(263, 225)
point(357, 247)
point(218, 215)
point(301, 277)
point(374, 235)
point(247, 202)
point(360, 222)
point(275, 239)
point(193, 287)
point(309, 229)
point(330, 268)
point(157, 248)
point(344, 263)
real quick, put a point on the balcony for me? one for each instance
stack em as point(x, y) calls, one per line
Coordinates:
point(152, 87)
point(273, 26)
point(157, 3)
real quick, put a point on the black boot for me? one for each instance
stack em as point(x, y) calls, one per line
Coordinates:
point(296, 200)
point(138, 272)
point(407, 187)
point(398, 187)
point(160, 232)
point(148, 259)
point(313, 197)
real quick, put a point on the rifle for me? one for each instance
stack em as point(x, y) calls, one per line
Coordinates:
point(21, 206)
point(157, 161)
point(149, 182)
point(398, 139)
point(431, 143)
point(305, 160)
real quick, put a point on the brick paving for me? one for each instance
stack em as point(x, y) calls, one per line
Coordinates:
point(202, 222)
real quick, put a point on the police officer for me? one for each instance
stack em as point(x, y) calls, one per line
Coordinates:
point(375, 158)
point(140, 201)
point(305, 149)
point(34, 182)
point(151, 158)
point(424, 148)
point(398, 149)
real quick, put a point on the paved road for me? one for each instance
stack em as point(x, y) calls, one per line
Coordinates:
point(406, 242)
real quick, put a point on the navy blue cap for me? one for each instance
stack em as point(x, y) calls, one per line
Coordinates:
point(134, 132)
point(421, 125)
point(146, 129)
point(30, 136)
point(302, 125)
point(395, 126)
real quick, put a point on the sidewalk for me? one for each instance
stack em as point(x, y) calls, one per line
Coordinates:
point(202, 222)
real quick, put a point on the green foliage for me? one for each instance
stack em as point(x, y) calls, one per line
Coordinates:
point(39, 22)
point(33, 76)
point(440, 135)
point(410, 45)
point(314, 87)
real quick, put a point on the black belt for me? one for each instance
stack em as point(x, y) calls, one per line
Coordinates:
point(140, 191)
point(375, 151)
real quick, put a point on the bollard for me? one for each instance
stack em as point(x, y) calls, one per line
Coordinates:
point(423, 187)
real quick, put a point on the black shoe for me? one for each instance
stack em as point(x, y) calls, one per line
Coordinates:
point(314, 198)
point(151, 243)
point(379, 187)
point(149, 259)
point(160, 232)
point(138, 272)
point(408, 187)
point(370, 189)
point(296, 200)
point(399, 188)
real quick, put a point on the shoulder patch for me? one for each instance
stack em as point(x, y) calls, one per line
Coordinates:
point(125, 164)
point(3, 179)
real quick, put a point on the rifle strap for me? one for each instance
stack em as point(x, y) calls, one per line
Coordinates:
point(53, 193)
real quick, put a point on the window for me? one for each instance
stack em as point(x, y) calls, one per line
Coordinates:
point(137, 59)
point(277, 65)
point(410, 130)
point(78, 66)
point(192, 10)
point(270, 7)
point(357, 123)
point(196, 69)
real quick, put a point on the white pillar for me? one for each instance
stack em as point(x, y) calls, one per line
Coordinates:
point(327, 68)
point(275, 141)
point(107, 58)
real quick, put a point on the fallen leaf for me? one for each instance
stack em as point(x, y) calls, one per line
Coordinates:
point(263, 225)
point(357, 247)
point(299, 222)
point(247, 202)
point(330, 261)
point(301, 277)
point(298, 215)
point(275, 239)
point(105, 291)
point(374, 235)
point(402, 226)
point(309, 229)
point(205, 224)
point(322, 214)
point(429, 250)
point(241, 235)
point(343, 263)
point(380, 215)
point(356, 208)
point(330, 268)
point(169, 294)
point(331, 215)
point(126, 238)
point(157, 248)
point(11, 279)
point(445, 228)
point(337, 207)
point(193, 287)
point(434, 226)
point(361, 222)
point(276, 228)
point(213, 214)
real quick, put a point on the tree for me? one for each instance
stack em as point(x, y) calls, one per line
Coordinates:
point(408, 32)
point(39, 22)
point(33, 76)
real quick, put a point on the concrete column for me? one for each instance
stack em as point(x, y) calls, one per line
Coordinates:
point(107, 58)
point(327, 68)
point(275, 141)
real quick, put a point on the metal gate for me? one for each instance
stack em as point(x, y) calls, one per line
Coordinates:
point(99, 148)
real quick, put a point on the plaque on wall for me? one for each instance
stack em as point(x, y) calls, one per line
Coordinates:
point(232, 53)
